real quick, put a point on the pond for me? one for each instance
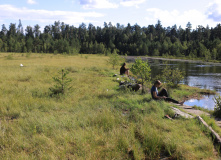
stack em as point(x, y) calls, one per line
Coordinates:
point(206, 76)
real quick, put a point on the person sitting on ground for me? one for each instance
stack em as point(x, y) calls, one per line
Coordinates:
point(124, 70)
point(162, 94)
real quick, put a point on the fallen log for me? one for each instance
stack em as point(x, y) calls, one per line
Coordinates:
point(183, 114)
point(217, 137)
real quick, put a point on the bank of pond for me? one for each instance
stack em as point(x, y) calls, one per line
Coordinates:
point(197, 74)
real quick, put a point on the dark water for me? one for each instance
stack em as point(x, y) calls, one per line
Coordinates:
point(206, 76)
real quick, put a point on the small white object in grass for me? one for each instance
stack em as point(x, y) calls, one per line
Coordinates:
point(118, 79)
point(107, 90)
point(21, 65)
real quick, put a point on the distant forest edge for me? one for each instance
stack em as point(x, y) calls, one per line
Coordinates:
point(153, 40)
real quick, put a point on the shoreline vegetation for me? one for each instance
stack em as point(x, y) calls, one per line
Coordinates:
point(132, 58)
point(94, 119)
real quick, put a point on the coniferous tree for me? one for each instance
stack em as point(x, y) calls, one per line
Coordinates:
point(203, 42)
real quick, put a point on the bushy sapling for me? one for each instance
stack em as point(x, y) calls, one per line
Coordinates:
point(142, 70)
point(114, 59)
point(217, 109)
point(171, 76)
point(62, 83)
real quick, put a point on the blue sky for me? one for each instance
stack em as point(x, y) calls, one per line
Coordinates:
point(142, 12)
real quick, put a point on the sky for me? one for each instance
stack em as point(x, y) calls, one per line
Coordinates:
point(141, 12)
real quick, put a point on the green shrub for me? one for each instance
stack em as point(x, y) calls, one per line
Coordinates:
point(55, 52)
point(28, 55)
point(170, 76)
point(142, 70)
point(217, 109)
point(62, 83)
point(114, 59)
point(10, 57)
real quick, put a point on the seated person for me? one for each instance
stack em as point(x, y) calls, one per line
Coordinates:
point(162, 94)
point(124, 70)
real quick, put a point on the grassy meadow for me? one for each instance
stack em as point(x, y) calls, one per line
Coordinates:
point(93, 120)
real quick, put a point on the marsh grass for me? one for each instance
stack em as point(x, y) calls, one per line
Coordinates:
point(94, 121)
point(9, 57)
point(211, 122)
point(185, 92)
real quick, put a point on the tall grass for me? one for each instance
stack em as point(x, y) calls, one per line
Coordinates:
point(93, 121)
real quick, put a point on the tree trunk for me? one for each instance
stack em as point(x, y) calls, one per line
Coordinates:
point(217, 137)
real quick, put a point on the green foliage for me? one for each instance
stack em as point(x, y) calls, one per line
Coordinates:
point(9, 57)
point(217, 109)
point(28, 55)
point(207, 55)
point(156, 52)
point(62, 83)
point(214, 54)
point(114, 59)
point(153, 40)
point(211, 122)
point(142, 70)
point(55, 52)
point(170, 76)
point(25, 49)
point(125, 57)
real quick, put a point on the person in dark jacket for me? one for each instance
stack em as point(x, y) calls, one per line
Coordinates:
point(124, 70)
point(162, 94)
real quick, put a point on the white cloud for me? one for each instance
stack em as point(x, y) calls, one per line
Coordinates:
point(214, 11)
point(31, 2)
point(170, 18)
point(9, 12)
point(130, 3)
point(98, 4)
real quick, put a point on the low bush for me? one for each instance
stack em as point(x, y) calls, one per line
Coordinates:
point(9, 57)
point(142, 70)
point(217, 109)
point(170, 76)
point(114, 59)
point(62, 83)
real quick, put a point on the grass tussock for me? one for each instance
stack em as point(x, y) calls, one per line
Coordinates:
point(94, 120)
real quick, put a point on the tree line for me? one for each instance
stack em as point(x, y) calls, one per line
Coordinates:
point(153, 40)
